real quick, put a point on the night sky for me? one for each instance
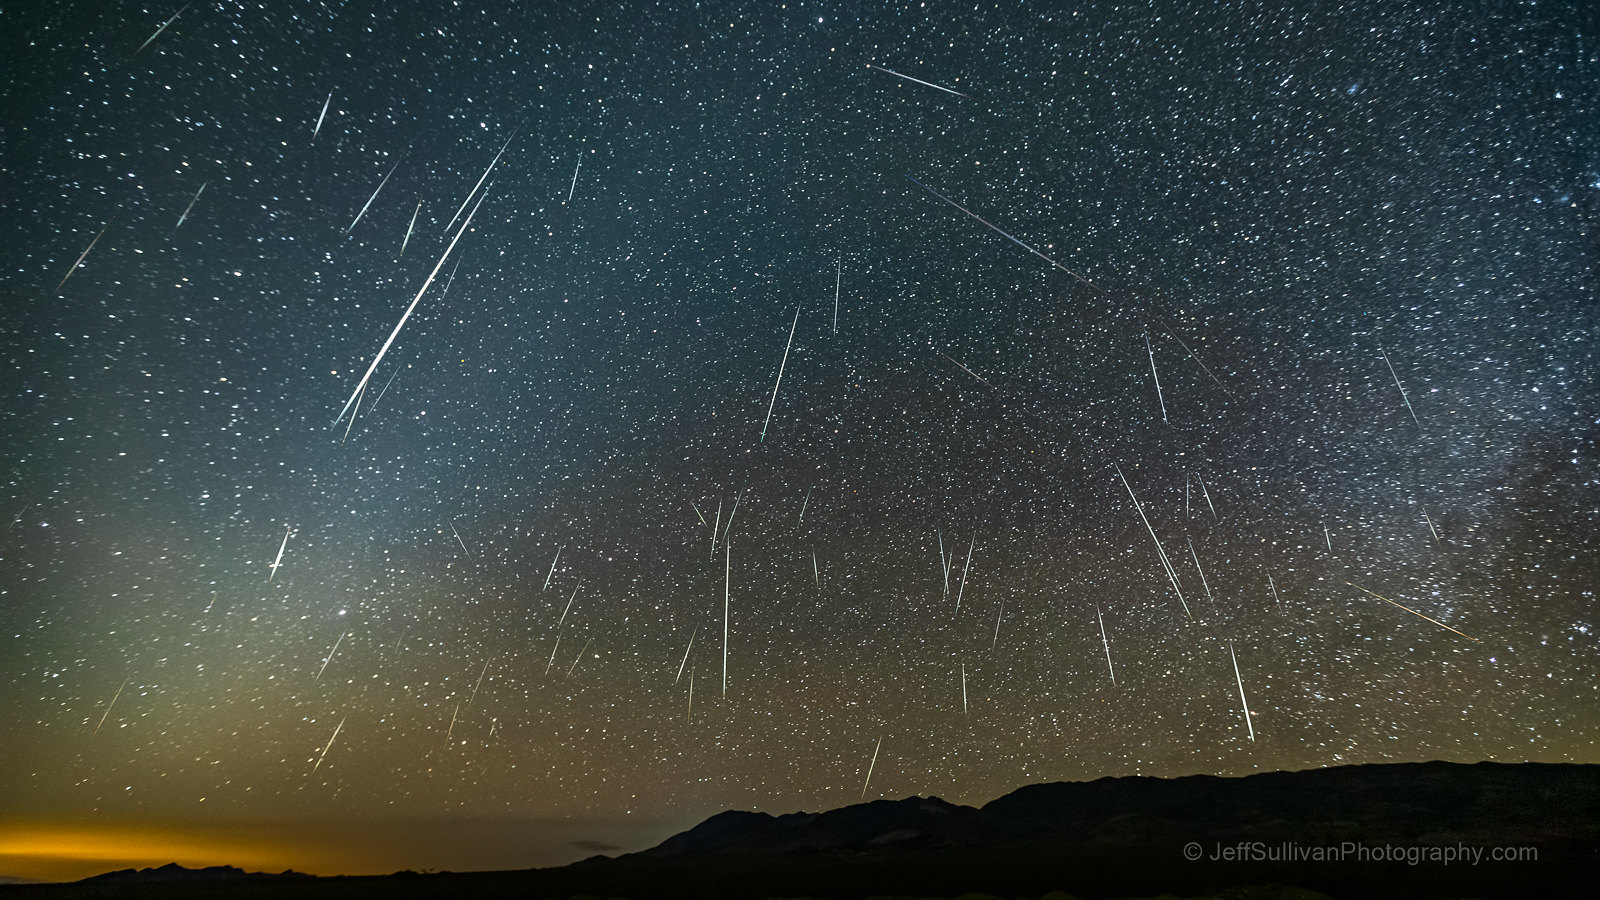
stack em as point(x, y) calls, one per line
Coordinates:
point(1356, 244)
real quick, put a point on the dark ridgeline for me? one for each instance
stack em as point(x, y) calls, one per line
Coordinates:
point(1115, 837)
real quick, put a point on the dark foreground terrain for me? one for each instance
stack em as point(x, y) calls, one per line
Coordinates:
point(1409, 830)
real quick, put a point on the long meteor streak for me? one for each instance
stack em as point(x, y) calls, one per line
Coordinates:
point(401, 324)
point(461, 542)
point(336, 730)
point(1159, 396)
point(111, 704)
point(1107, 642)
point(998, 230)
point(1172, 574)
point(1415, 613)
point(775, 384)
point(185, 216)
point(968, 371)
point(686, 655)
point(81, 257)
point(1242, 701)
point(480, 182)
point(870, 767)
point(279, 561)
point(322, 115)
point(330, 658)
point(917, 80)
point(1399, 385)
point(162, 28)
point(374, 196)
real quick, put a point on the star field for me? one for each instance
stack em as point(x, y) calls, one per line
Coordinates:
point(1354, 244)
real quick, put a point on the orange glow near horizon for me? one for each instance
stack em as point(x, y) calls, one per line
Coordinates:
point(57, 853)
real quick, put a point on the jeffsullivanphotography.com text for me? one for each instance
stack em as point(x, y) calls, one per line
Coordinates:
point(1355, 852)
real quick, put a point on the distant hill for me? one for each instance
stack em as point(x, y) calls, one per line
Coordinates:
point(1437, 804)
point(172, 872)
point(1374, 831)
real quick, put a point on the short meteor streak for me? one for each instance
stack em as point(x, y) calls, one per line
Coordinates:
point(373, 197)
point(1106, 642)
point(580, 657)
point(1003, 234)
point(279, 561)
point(815, 572)
point(353, 414)
point(697, 514)
point(998, 616)
point(1415, 613)
point(336, 730)
point(1194, 357)
point(968, 371)
point(870, 767)
point(410, 228)
point(552, 655)
point(1397, 384)
point(81, 257)
point(1162, 399)
point(964, 569)
point(1275, 598)
point(686, 655)
point(963, 689)
point(477, 684)
point(775, 384)
point(838, 279)
point(1172, 574)
point(183, 218)
point(1203, 583)
point(452, 730)
point(1327, 536)
point(1207, 496)
point(688, 714)
point(329, 659)
point(461, 542)
point(480, 182)
point(1435, 531)
point(320, 116)
point(401, 324)
point(552, 571)
point(574, 186)
point(715, 527)
point(803, 507)
point(917, 80)
point(1242, 701)
point(569, 604)
point(162, 28)
point(111, 704)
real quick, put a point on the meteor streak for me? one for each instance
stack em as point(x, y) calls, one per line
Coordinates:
point(111, 704)
point(336, 730)
point(373, 197)
point(1415, 613)
point(81, 257)
point(775, 384)
point(870, 767)
point(1105, 641)
point(1003, 234)
point(162, 28)
point(279, 561)
point(185, 216)
point(401, 324)
point(320, 116)
point(917, 80)
point(1242, 701)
